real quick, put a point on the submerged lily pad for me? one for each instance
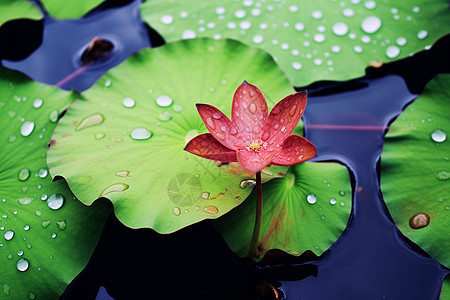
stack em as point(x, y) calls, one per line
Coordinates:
point(46, 235)
point(17, 9)
point(124, 140)
point(307, 209)
point(69, 9)
point(415, 173)
point(311, 40)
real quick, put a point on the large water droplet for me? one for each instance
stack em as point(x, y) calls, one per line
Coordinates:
point(128, 102)
point(392, 51)
point(24, 174)
point(167, 19)
point(164, 101)
point(27, 128)
point(401, 41)
point(42, 173)
point(176, 211)
point(258, 39)
point(438, 136)
point(205, 195)
point(119, 187)
point(296, 65)
point(9, 234)
point(22, 264)
point(419, 220)
point(247, 183)
point(89, 121)
point(422, 34)
point(340, 29)
point(211, 209)
point(140, 134)
point(319, 38)
point(55, 201)
point(53, 116)
point(370, 4)
point(333, 201)
point(311, 198)
point(38, 103)
point(188, 34)
point(371, 24)
point(317, 14)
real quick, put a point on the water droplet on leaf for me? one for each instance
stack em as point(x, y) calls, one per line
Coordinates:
point(164, 101)
point(371, 24)
point(8, 235)
point(24, 174)
point(247, 183)
point(392, 51)
point(128, 102)
point(27, 128)
point(176, 211)
point(419, 220)
point(211, 209)
point(37, 103)
point(89, 121)
point(438, 136)
point(119, 187)
point(61, 225)
point(55, 201)
point(140, 134)
point(22, 264)
point(311, 198)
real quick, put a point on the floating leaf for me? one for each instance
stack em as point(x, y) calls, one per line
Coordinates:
point(18, 9)
point(125, 139)
point(415, 170)
point(46, 236)
point(311, 40)
point(307, 209)
point(69, 9)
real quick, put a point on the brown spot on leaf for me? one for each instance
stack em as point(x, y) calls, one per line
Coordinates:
point(419, 220)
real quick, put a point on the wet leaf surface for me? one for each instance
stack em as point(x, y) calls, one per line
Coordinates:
point(124, 140)
point(18, 9)
point(46, 235)
point(311, 40)
point(415, 170)
point(307, 209)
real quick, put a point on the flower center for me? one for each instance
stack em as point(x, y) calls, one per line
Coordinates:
point(254, 146)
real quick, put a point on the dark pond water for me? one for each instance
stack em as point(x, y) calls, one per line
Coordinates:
point(346, 121)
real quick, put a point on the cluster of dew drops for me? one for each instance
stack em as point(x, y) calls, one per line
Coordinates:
point(54, 201)
point(246, 22)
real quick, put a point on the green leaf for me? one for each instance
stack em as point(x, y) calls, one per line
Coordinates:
point(416, 168)
point(44, 243)
point(17, 9)
point(125, 139)
point(311, 40)
point(307, 209)
point(69, 9)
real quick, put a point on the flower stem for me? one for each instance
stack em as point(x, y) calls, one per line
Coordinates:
point(256, 230)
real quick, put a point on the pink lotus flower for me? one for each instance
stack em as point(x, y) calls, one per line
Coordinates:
point(254, 138)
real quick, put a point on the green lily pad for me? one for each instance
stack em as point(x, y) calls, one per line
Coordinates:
point(415, 170)
point(46, 235)
point(307, 209)
point(311, 40)
point(18, 9)
point(124, 140)
point(69, 9)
